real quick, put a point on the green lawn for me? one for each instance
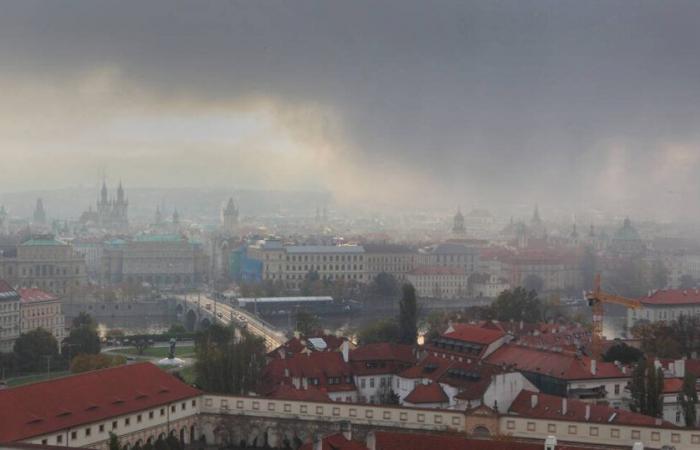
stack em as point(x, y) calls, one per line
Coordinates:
point(159, 352)
point(34, 378)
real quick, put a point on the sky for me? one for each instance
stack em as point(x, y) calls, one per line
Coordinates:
point(405, 103)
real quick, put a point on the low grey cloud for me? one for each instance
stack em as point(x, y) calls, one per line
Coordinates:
point(573, 103)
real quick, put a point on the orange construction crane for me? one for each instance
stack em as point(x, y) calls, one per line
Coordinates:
point(597, 300)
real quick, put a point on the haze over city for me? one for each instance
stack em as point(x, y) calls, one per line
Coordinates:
point(582, 104)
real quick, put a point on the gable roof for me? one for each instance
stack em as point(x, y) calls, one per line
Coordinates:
point(335, 442)
point(391, 440)
point(672, 297)
point(485, 334)
point(551, 407)
point(50, 406)
point(427, 393)
point(557, 364)
point(34, 295)
point(7, 292)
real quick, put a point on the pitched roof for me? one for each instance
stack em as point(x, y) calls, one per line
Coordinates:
point(53, 405)
point(474, 333)
point(551, 407)
point(32, 295)
point(7, 292)
point(318, 365)
point(285, 391)
point(390, 440)
point(381, 358)
point(558, 364)
point(672, 297)
point(383, 351)
point(427, 393)
point(673, 385)
point(336, 442)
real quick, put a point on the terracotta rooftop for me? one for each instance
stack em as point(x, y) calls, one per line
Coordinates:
point(427, 393)
point(387, 440)
point(545, 406)
point(563, 364)
point(673, 297)
point(336, 442)
point(484, 334)
point(31, 295)
point(49, 406)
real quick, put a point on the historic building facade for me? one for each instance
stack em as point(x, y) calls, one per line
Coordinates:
point(45, 263)
point(111, 213)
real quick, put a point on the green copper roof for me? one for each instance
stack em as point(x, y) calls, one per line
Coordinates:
point(34, 242)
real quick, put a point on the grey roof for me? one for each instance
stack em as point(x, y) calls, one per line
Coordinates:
point(353, 249)
point(451, 248)
point(387, 248)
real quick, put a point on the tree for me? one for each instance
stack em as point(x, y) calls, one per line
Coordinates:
point(623, 353)
point(408, 315)
point(686, 282)
point(647, 387)
point(306, 323)
point(87, 363)
point(517, 304)
point(142, 344)
point(84, 320)
point(113, 443)
point(630, 277)
point(689, 400)
point(686, 331)
point(533, 282)
point(384, 330)
point(83, 339)
point(657, 339)
point(33, 348)
point(227, 364)
point(385, 285)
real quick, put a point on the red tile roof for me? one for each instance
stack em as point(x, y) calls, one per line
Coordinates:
point(558, 364)
point(381, 358)
point(673, 385)
point(386, 440)
point(319, 365)
point(430, 367)
point(550, 407)
point(298, 344)
point(336, 442)
point(31, 295)
point(673, 297)
point(427, 393)
point(288, 392)
point(54, 405)
point(485, 335)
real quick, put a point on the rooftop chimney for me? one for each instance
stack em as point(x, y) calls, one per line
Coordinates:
point(345, 349)
point(564, 405)
point(588, 412)
point(371, 441)
point(594, 366)
point(533, 401)
point(550, 443)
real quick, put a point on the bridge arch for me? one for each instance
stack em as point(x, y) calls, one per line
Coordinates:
point(190, 320)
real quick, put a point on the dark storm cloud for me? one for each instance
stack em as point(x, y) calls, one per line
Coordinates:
point(504, 99)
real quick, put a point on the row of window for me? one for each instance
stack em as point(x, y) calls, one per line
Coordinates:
point(115, 424)
point(323, 258)
point(369, 413)
point(595, 431)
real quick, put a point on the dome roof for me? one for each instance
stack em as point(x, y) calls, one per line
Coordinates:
point(627, 232)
